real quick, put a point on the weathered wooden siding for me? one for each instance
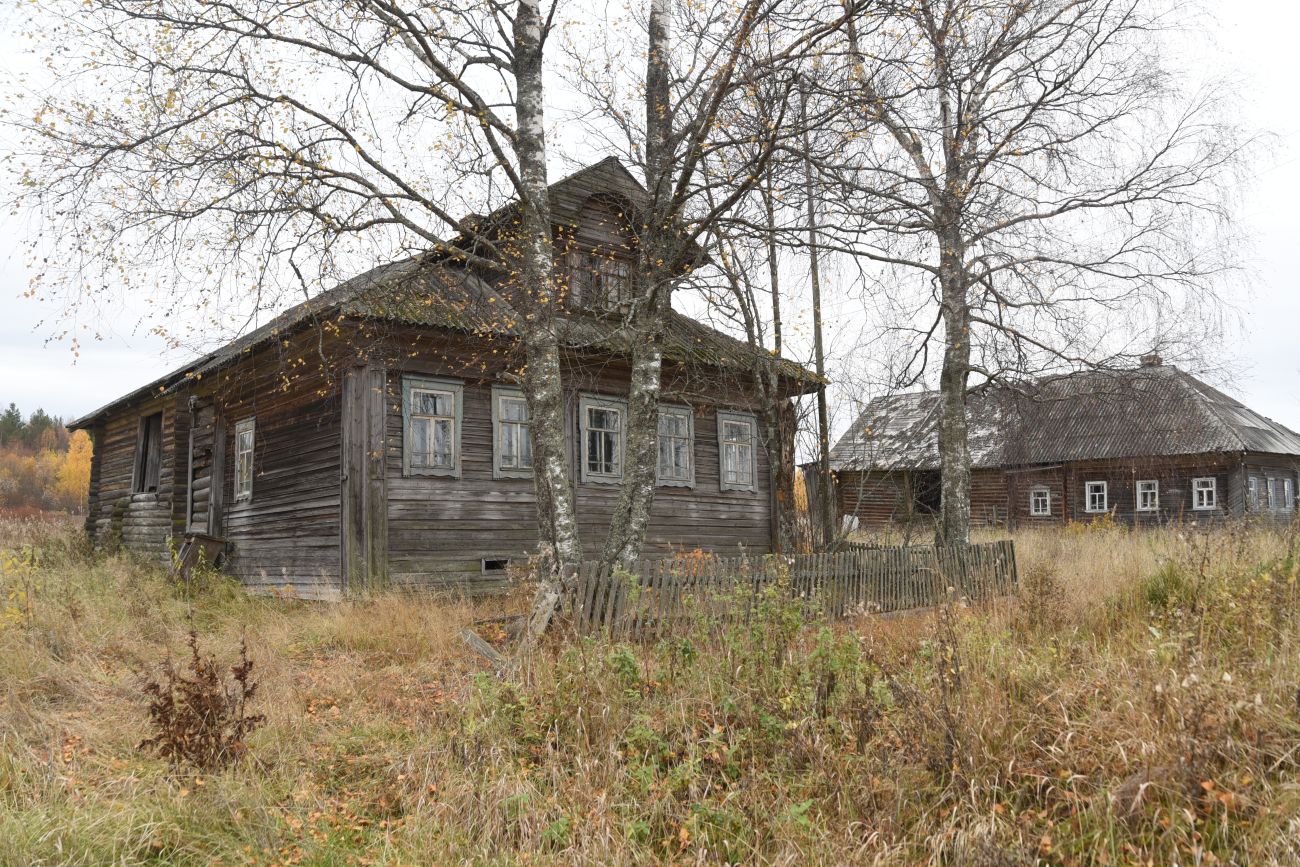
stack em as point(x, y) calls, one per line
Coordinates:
point(441, 528)
point(286, 537)
point(117, 515)
point(876, 498)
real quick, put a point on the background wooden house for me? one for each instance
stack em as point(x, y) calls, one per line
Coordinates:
point(1143, 446)
point(376, 433)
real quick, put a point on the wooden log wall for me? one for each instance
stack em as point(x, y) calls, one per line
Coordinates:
point(286, 538)
point(440, 529)
point(117, 514)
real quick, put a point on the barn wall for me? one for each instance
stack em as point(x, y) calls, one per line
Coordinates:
point(875, 498)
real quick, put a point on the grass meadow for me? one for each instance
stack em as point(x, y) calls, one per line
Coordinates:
point(1137, 703)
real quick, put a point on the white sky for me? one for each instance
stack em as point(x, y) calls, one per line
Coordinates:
point(1253, 41)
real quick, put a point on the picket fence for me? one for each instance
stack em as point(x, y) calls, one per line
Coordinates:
point(660, 595)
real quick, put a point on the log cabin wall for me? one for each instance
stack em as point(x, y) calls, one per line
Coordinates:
point(119, 515)
point(440, 528)
point(876, 498)
point(285, 538)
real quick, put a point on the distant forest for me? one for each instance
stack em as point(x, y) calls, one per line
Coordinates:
point(42, 466)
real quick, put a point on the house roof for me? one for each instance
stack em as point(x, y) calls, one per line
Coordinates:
point(432, 290)
point(1152, 411)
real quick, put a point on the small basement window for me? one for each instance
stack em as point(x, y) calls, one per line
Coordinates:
point(148, 454)
point(1205, 493)
point(1040, 503)
point(1095, 497)
point(495, 565)
point(1148, 495)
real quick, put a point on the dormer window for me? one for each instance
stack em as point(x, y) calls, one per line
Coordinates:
point(598, 282)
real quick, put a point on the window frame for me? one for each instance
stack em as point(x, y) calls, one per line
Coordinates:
point(145, 442)
point(510, 392)
point(1213, 488)
point(1033, 508)
point(1087, 498)
point(244, 493)
point(689, 414)
point(725, 415)
point(1137, 495)
point(588, 402)
point(454, 387)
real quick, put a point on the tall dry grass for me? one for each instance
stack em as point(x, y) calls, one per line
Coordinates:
point(1136, 704)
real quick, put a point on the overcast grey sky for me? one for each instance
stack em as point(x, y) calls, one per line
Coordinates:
point(1254, 41)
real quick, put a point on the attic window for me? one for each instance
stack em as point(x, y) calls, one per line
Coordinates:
point(598, 282)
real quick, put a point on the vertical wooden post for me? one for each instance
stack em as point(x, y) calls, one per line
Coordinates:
point(363, 485)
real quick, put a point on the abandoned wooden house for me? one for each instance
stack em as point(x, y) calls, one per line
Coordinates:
point(376, 434)
point(1144, 446)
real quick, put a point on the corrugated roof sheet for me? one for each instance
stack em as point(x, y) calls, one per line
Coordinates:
point(1151, 411)
point(431, 290)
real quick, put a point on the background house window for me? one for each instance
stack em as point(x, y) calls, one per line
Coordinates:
point(1096, 497)
point(1040, 502)
point(601, 422)
point(1148, 495)
point(1204, 493)
point(676, 430)
point(148, 454)
point(244, 438)
point(1252, 493)
point(736, 434)
point(431, 412)
point(513, 455)
point(1288, 495)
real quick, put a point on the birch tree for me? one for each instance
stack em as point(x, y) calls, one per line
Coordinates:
point(1040, 169)
point(700, 156)
point(245, 142)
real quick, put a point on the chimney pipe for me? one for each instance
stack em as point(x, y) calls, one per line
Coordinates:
point(1152, 360)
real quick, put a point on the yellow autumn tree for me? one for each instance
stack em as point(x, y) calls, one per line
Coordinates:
point(73, 482)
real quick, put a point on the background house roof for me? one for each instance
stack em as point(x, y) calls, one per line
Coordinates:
point(432, 290)
point(1155, 410)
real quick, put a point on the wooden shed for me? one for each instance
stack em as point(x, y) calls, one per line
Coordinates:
point(376, 435)
point(1143, 446)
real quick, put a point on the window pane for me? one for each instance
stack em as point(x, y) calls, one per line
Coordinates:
point(513, 409)
point(431, 403)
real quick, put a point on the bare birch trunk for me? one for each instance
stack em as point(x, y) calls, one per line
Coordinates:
point(954, 447)
point(631, 516)
point(556, 515)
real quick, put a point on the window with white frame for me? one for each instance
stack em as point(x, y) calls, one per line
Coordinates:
point(1040, 502)
point(736, 455)
point(512, 455)
point(1252, 493)
point(601, 423)
point(1288, 495)
point(676, 439)
point(1095, 497)
point(431, 414)
point(1148, 495)
point(1274, 493)
point(1204, 493)
point(244, 439)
